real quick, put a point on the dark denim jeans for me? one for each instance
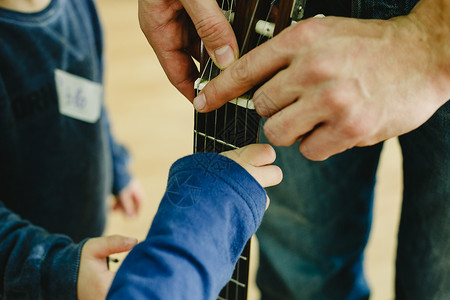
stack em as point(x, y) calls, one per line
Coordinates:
point(313, 236)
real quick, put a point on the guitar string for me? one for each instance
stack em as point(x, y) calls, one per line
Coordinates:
point(248, 100)
point(226, 107)
point(209, 65)
point(210, 75)
point(244, 46)
point(211, 68)
point(229, 9)
point(230, 12)
point(249, 29)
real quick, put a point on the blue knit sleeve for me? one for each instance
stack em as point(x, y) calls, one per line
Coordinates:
point(211, 207)
point(35, 264)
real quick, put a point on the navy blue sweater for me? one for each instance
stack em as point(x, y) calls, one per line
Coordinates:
point(56, 171)
point(210, 209)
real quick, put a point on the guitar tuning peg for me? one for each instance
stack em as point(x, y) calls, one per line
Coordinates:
point(298, 10)
point(265, 28)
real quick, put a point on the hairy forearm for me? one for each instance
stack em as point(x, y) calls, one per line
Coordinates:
point(431, 17)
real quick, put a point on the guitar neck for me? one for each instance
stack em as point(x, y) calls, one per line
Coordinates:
point(236, 124)
point(227, 128)
point(232, 126)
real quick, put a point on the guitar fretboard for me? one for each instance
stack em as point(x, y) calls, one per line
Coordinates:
point(230, 127)
point(235, 125)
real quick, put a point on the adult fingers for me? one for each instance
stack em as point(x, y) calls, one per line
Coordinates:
point(323, 142)
point(276, 94)
point(180, 70)
point(168, 30)
point(251, 69)
point(214, 29)
point(288, 125)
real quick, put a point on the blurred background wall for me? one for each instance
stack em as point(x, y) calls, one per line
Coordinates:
point(155, 122)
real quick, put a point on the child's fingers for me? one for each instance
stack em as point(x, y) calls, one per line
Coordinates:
point(127, 203)
point(138, 195)
point(267, 175)
point(257, 154)
point(256, 159)
point(253, 154)
point(130, 199)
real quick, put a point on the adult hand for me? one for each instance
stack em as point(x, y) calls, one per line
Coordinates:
point(129, 199)
point(257, 159)
point(173, 28)
point(94, 278)
point(335, 83)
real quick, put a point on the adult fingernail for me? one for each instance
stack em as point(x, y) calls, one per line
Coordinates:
point(199, 102)
point(224, 56)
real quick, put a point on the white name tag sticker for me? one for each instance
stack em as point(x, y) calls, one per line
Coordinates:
point(78, 98)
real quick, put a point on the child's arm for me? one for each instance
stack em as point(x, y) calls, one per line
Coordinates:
point(211, 207)
point(127, 190)
point(37, 265)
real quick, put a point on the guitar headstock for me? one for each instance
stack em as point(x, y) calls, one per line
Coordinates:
point(256, 21)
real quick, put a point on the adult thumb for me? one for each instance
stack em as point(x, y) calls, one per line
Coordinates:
point(214, 30)
point(105, 246)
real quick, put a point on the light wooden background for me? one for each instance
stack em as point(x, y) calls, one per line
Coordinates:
point(155, 122)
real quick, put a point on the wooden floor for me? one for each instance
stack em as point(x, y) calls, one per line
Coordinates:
point(155, 122)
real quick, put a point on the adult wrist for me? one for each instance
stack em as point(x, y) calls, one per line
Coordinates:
point(431, 19)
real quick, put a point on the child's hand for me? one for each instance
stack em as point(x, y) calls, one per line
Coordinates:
point(94, 278)
point(130, 199)
point(257, 160)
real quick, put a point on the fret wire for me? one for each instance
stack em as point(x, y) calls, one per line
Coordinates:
point(216, 140)
point(238, 283)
